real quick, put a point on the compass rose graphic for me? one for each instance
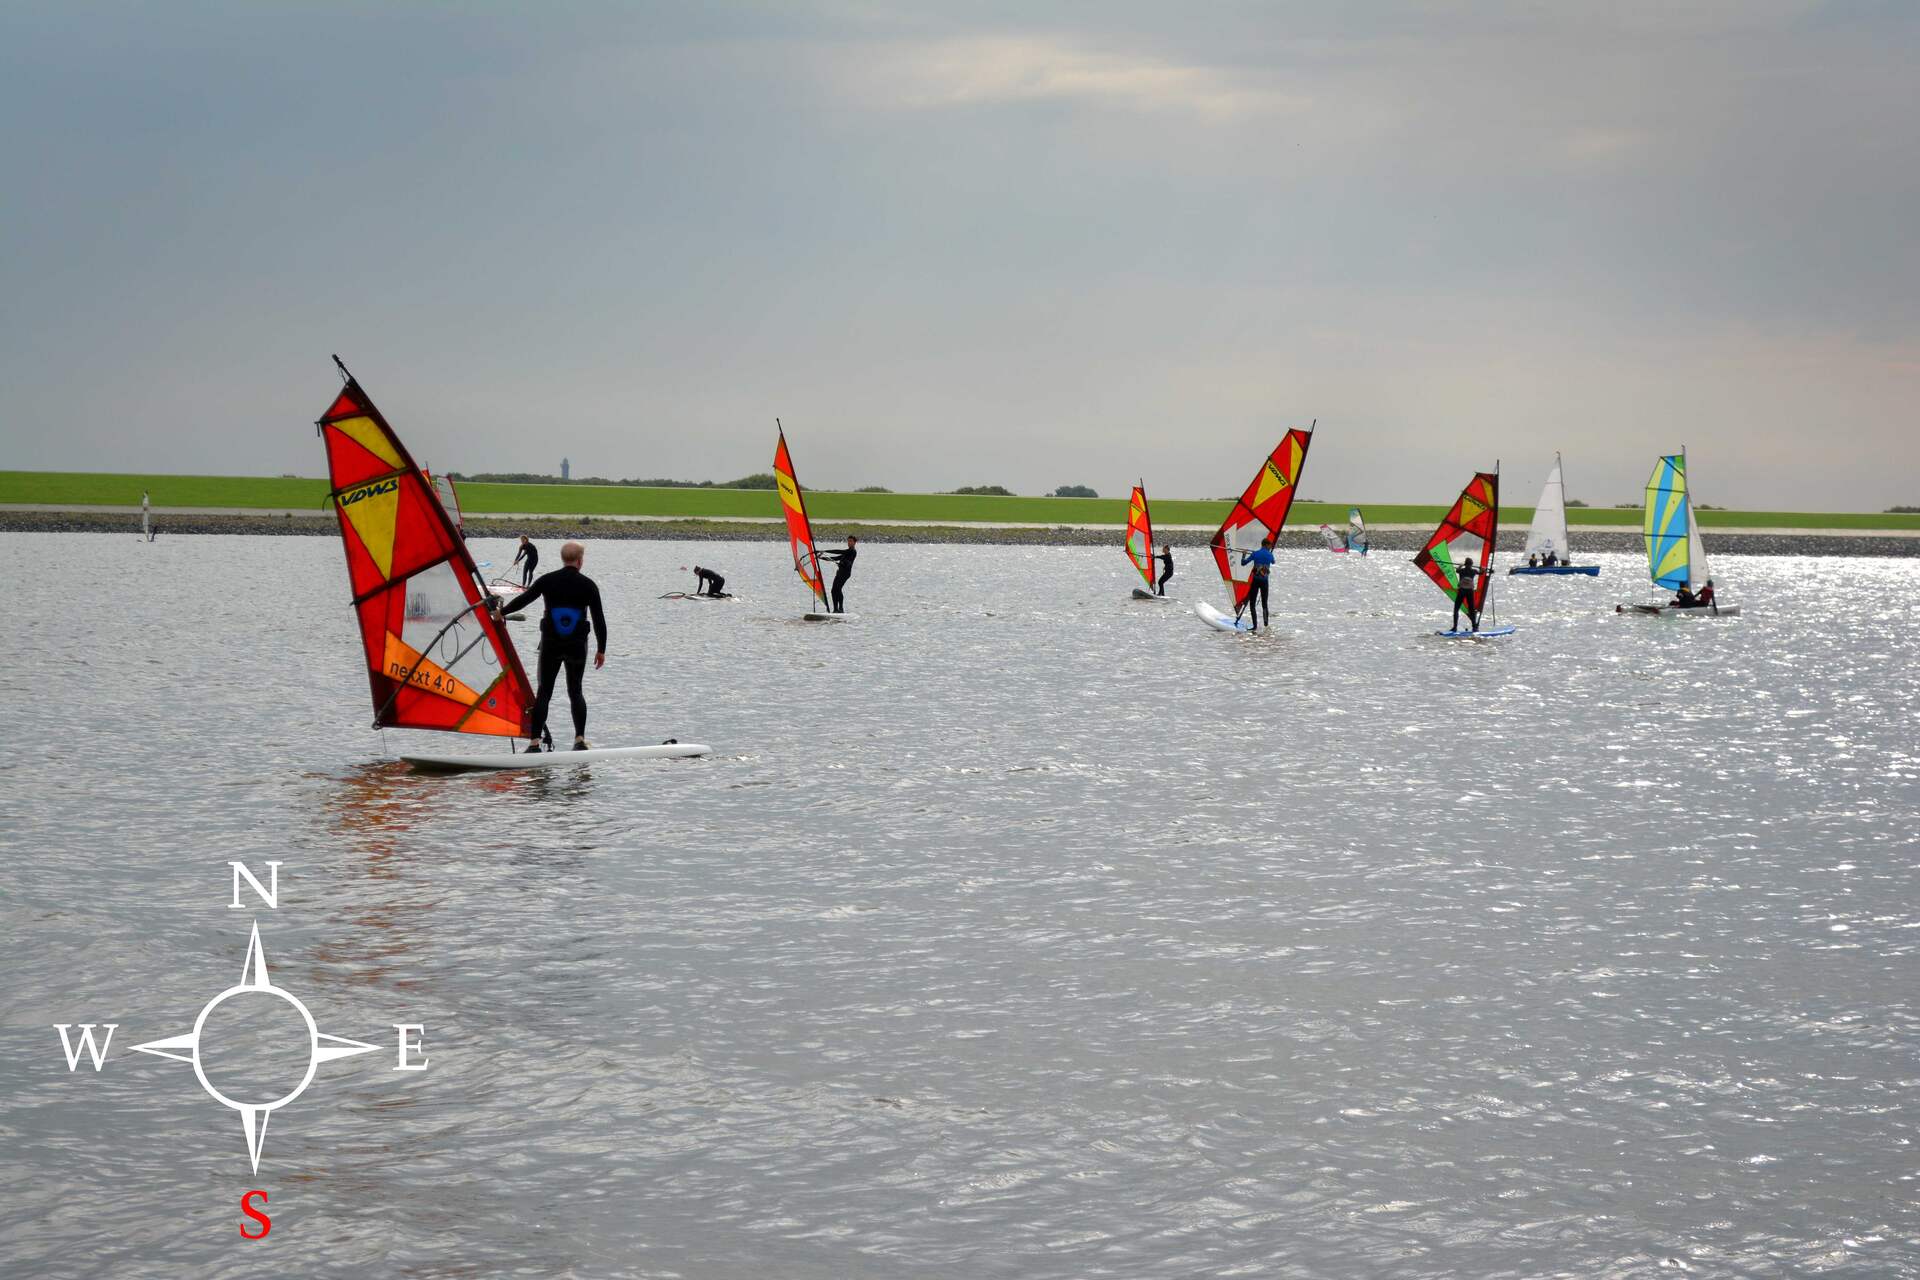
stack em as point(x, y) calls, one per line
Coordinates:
point(253, 984)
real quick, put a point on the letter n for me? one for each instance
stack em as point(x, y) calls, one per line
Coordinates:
point(269, 892)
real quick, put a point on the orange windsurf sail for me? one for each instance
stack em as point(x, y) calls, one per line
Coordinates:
point(1140, 533)
point(1468, 533)
point(793, 504)
point(1261, 511)
point(435, 657)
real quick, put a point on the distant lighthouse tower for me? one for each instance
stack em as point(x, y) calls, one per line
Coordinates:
point(566, 470)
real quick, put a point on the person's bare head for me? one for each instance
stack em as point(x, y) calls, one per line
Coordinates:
point(523, 539)
point(851, 539)
point(572, 553)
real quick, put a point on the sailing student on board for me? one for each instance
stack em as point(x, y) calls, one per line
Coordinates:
point(1705, 598)
point(708, 583)
point(1463, 597)
point(571, 599)
point(1257, 599)
point(531, 554)
point(1684, 597)
point(845, 560)
point(1166, 569)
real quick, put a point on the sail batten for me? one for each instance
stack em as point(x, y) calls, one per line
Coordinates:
point(1468, 532)
point(435, 657)
point(1260, 512)
point(793, 504)
point(1140, 534)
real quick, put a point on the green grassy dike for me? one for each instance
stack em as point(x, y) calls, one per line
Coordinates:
point(80, 489)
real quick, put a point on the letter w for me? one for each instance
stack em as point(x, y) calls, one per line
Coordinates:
point(97, 1053)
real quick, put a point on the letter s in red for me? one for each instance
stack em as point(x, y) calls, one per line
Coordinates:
point(246, 1207)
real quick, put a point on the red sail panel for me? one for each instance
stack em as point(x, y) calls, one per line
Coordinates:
point(435, 657)
point(793, 504)
point(1261, 511)
point(1140, 534)
point(1467, 533)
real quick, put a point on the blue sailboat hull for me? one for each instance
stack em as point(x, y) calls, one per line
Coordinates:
point(1557, 571)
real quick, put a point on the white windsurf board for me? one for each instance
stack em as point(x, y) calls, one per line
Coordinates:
point(554, 759)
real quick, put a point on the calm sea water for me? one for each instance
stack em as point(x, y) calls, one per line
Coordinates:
point(1014, 929)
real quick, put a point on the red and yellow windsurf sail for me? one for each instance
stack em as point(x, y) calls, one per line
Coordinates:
point(1140, 534)
point(1468, 533)
point(793, 504)
point(435, 657)
point(1261, 511)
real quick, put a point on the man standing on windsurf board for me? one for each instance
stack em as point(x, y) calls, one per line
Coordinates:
point(572, 599)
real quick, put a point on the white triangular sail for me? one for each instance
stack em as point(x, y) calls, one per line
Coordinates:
point(1547, 535)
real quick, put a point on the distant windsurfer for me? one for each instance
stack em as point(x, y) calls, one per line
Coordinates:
point(572, 599)
point(530, 554)
point(708, 583)
point(1257, 600)
point(146, 515)
point(1166, 570)
point(845, 560)
point(1463, 597)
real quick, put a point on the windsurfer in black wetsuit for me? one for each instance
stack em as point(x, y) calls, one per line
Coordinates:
point(1166, 569)
point(531, 554)
point(1463, 597)
point(571, 600)
point(845, 560)
point(708, 583)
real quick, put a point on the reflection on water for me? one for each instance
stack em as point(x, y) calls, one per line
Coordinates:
point(1014, 928)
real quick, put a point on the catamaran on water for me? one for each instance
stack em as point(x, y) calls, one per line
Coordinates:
point(1140, 543)
point(1261, 512)
point(436, 657)
point(1549, 550)
point(1466, 537)
point(806, 559)
point(1676, 553)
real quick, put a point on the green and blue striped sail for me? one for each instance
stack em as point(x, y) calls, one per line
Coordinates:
point(1669, 524)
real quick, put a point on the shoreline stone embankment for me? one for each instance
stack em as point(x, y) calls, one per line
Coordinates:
point(546, 529)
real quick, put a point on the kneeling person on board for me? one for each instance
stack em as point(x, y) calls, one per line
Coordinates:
point(1257, 599)
point(1684, 597)
point(1705, 597)
point(709, 582)
point(1166, 570)
point(1463, 597)
point(571, 600)
point(529, 553)
point(845, 561)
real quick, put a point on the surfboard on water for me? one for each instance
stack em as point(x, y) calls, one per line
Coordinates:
point(1218, 620)
point(1490, 633)
point(1138, 594)
point(1466, 536)
point(1676, 553)
point(1259, 513)
point(817, 616)
point(435, 655)
point(552, 759)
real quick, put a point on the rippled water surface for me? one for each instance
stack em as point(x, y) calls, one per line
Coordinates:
point(1014, 929)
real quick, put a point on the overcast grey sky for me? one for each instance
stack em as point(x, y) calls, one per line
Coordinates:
point(1029, 244)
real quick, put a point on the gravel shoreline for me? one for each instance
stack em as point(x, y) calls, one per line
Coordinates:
point(587, 528)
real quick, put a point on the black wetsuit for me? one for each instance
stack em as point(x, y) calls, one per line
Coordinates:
point(844, 558)
point(711, 583)
point(531, 554)
point(1463, 598)
point(1166, 570)
point(571, 600)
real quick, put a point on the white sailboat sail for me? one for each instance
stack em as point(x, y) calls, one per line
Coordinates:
point(1547, 535)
